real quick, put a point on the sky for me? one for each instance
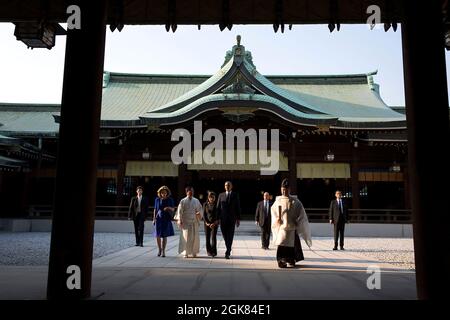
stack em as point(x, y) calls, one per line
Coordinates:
point(35, 76)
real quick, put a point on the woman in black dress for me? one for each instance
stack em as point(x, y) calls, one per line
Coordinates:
point(211, 222)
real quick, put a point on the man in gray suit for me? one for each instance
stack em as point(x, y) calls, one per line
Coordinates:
point(263, 219)
point(338, 214)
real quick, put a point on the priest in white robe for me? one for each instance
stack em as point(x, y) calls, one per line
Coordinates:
point(289, 220)
point(189, 216)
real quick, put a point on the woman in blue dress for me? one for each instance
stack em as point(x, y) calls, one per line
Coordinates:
point(162, 218)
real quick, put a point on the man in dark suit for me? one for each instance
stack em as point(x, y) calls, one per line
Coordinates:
point(138, 211)
point(229, 212)
point(338, 214)
point(263, 219)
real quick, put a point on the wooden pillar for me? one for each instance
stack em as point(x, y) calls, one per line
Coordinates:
point(77, 157)
point(292, 164)
point(121, 166)
point(355, 179)
point(427, 105)
point(25, 198)
point(406, 187)
point(182, 180)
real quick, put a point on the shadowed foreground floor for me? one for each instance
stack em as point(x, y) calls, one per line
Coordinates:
point(252, 273)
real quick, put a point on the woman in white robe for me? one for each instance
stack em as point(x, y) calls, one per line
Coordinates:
point(189, 217)
point(289, 220)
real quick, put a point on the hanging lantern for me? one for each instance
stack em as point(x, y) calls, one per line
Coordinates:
point(329, 156)
point(38, 34)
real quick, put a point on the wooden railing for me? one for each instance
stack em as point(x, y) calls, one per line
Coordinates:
point(364, 215)
point(314, 214)
point(101, 212)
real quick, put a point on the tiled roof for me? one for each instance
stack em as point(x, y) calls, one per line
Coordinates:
point(127, 100)
point(28, 119)
point(345, 101)
point(135, 99)
point(10, 162)
point(353, 100)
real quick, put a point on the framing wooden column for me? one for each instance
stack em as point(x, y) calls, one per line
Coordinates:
point(76, 173)
point(25, 197)
point(121, 167)
point(427, 104)
point(354, 175)
point(182, 180)
point(406, 187)
point(292, 163)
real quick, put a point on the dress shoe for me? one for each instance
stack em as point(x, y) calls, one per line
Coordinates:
point(141, 245)
point(163, 255)
point(281, 264)
point(342, 248)
point(335, 248)
point(136, 245)
point(159, 253)
point(227, 257)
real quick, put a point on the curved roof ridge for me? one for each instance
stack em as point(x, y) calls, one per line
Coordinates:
point(34, 104)
point(342, 75)
point(168, 75)
point(230, 97)
point(293, 76)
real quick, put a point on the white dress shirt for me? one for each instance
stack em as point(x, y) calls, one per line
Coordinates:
point(139, 199)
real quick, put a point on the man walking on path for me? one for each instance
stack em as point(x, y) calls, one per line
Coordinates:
point(263, 219)
point(229, 212)
point(138, 211)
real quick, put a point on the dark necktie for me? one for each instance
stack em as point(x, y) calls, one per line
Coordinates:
point(340, 206)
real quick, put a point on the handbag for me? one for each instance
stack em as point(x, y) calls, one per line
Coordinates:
point(175, 215)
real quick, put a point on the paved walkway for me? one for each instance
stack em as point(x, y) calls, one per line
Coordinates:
point(252, 273)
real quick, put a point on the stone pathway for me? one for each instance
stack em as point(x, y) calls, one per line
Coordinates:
point(247, 254)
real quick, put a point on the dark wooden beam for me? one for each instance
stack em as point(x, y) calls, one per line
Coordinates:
point(195, 12)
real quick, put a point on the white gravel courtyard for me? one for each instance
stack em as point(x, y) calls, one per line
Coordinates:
point(396, 251)
point(33, 248)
